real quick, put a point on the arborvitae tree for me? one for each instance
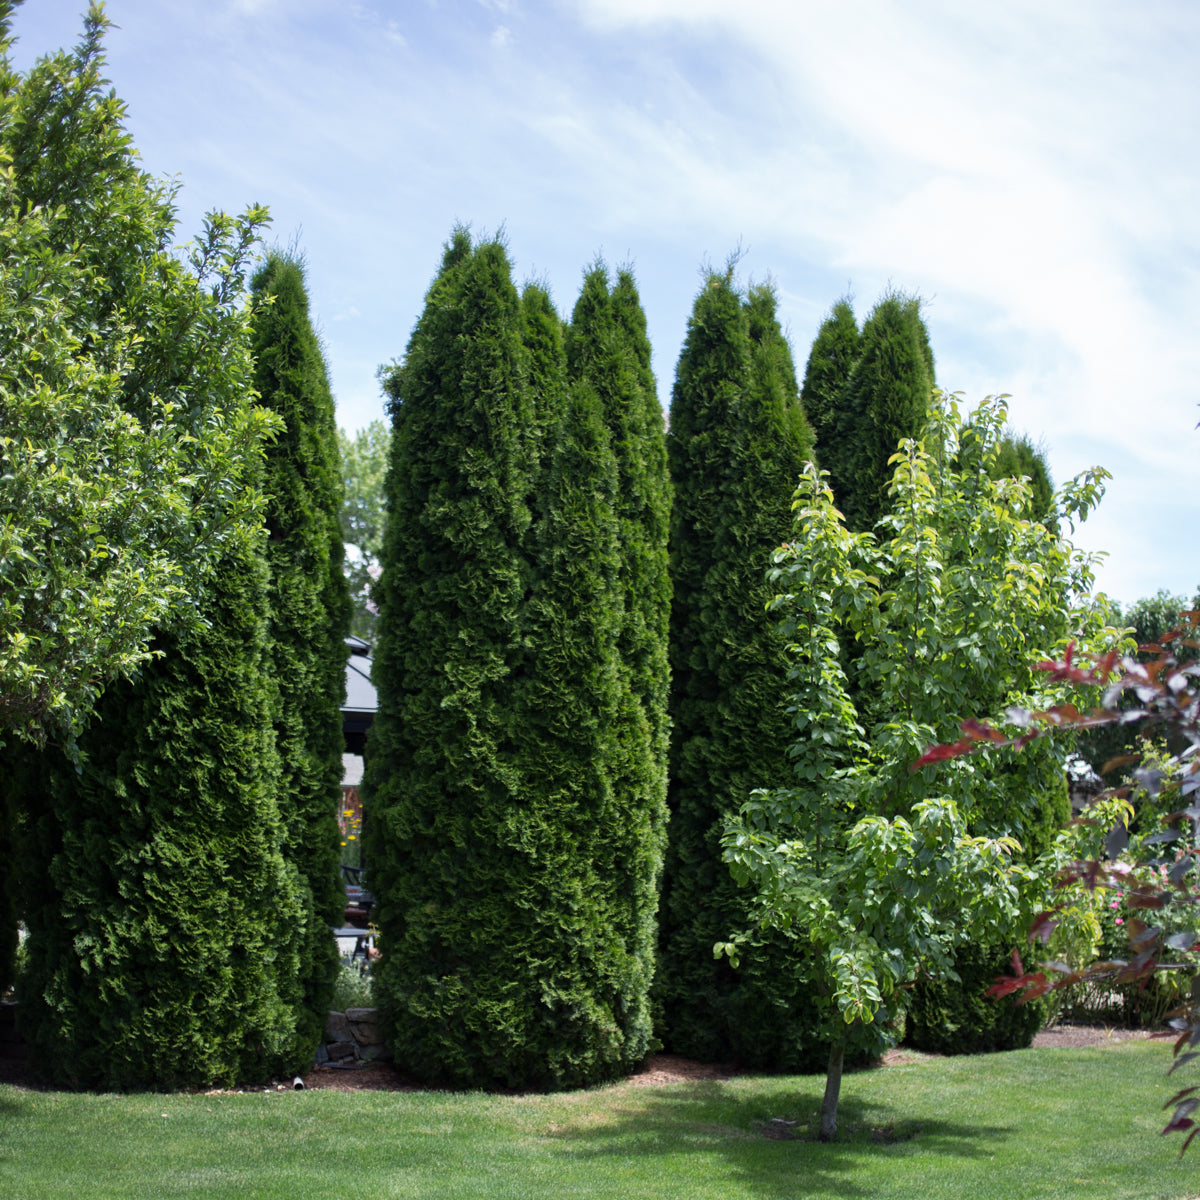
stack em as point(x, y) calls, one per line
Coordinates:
point(504, 844)
point(830, 361)
point(635, 422)
point(591, 835)
point(737, 444)
point(310, 617)
point(608, 357)
point(886, 399)
point(443, 782)
point(161, 916)
point(774, 372)
point(163, 921)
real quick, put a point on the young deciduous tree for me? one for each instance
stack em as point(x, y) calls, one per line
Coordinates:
point(737, 443)
point(881, 869)
point(310, 617)
point(1017, 456)
point(124, 435)
point(364, 513)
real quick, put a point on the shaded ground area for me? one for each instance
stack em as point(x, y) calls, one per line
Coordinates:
point(658, 1070)
point(661, 1069)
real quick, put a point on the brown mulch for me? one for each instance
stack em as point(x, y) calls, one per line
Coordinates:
point(657, 1071)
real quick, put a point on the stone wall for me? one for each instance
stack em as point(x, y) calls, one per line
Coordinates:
point(352, 1037)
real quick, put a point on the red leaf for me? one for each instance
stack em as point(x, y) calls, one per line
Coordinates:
point(937, 754)
point(1043, 926)
point(980, 731)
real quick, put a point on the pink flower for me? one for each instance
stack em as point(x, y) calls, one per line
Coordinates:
point(1120, 920)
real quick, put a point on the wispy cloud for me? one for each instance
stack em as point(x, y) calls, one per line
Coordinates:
point(1030, 169)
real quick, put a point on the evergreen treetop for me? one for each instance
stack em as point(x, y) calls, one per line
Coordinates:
point(886, 399)
point(830, 361)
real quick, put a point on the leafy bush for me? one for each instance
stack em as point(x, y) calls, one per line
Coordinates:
point(945, 1017)
point(353, 987)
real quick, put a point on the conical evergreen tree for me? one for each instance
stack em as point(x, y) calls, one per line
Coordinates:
point(737, 443)
point(886, 400)
point(164, 922)
point(444, 784)
point(310, 616)
point(830, 361)
point(504, 844)
point(644, 509)
point(588, 829)
point(608, 357)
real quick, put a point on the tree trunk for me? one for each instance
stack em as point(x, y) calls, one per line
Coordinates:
point(833, 1087)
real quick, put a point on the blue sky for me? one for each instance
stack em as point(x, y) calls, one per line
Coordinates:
point(1031, 170)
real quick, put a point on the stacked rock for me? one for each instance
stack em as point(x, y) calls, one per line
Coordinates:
point(352, 1037)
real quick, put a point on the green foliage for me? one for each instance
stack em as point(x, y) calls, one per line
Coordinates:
point(737, 442)
point(620, 571)
point(884, 402)
point(364, 468)
point(1149, 872)
point(958, 1017)
point(830, 361)
point(310, 616)
point(352, 988)
point(163, 919)
point(1017, 456)
point(125, 439)
point(882, 871)
point(1144, 622)
point(512, 834)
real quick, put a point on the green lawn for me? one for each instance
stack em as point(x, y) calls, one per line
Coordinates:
point(1037, 1123)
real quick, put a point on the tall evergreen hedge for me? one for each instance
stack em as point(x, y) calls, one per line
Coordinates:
point(310, 617)
point(737, 441)
point(163, 920)
point(503, 843)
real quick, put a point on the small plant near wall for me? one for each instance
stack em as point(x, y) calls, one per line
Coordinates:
point(352, 988)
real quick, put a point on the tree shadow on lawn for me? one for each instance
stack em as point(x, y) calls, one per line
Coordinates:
point(769, 1141)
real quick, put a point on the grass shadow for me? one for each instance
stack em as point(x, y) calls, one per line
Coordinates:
point(770, 1143)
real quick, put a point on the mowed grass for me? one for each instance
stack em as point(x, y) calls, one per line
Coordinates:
point(1026, 1125)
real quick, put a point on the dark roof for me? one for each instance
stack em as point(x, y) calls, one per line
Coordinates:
point(360, 693)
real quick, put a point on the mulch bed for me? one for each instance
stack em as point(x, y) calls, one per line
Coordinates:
point(658, 1070)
